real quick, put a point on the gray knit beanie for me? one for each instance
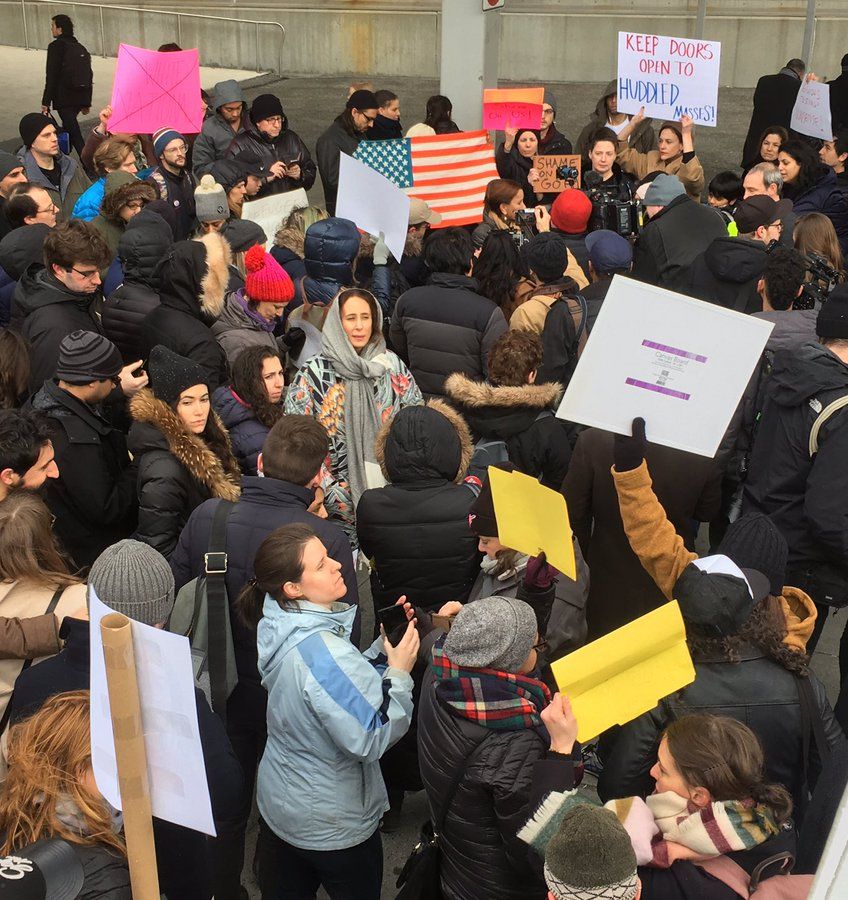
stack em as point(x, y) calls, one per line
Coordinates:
point(210, 201)
point(134, 579)
point(492, 633)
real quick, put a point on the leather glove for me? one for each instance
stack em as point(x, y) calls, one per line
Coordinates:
point(628, 452)
point(292, 341)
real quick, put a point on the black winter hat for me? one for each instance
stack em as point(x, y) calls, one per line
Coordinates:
point(481, 515)
point(547, 256)
point(362, 100)
point(31, 126)
point(832, 321)
point(264, 107)
point(716, 603)
point(85, 356)
point(8, 163)
point(170, 374)
point(754, 542)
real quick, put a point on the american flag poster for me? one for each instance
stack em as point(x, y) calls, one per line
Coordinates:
point(449, 171)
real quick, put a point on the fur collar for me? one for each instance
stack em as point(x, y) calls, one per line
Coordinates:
point(189, 449)
point(213, 285)
point(462, 390)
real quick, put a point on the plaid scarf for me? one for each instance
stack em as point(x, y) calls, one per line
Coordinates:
point(498, 700)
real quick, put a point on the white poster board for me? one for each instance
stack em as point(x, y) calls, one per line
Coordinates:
point(681, 364)
point(271, 212)
point(372, 203)
point(179, 792)
point(671, 77)
point(811, 113)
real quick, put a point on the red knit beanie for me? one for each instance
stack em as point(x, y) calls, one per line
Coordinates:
point(571, 211)
point(266, 279)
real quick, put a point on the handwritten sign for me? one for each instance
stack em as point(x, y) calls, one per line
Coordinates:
point(811, 113)
point(670, 77)
point(512, 107)
point(547, 167)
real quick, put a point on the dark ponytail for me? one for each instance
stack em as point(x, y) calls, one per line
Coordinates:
point(278, 560)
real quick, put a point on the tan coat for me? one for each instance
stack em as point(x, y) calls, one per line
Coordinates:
point(642, 164)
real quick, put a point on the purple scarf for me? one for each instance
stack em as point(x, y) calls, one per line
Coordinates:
point(254, 316)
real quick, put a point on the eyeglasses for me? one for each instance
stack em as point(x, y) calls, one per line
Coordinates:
point(541, 646)
point(180, 148)
point(367, 117)
point(47, 209)
point(86, 275)
point(275, 120)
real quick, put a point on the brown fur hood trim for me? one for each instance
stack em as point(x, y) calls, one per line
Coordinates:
point(462, 390)
point(113, 200)
point(213, 285)
point(455, 419)
point(190, 449)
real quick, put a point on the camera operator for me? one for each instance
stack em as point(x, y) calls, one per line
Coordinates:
point(503, 201)
point(610, 188)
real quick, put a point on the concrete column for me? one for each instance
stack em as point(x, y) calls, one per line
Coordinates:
point(470, 47)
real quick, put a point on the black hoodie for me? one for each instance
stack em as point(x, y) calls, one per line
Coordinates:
point(807, 498)
point(727, 274)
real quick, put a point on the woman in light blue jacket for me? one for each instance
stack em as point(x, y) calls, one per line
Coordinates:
point(332, 713)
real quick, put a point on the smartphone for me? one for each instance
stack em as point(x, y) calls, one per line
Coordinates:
point(393, 619)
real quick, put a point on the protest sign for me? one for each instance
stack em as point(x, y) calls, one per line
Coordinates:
point(532, 518)
point(512, 108)
point(627, 672)
point(271, 212)
point(670, 77)
point(155, 90)
point(811, 113)
point(179, 792)
point(373, 203)
point(547, 167)
point(681, 364)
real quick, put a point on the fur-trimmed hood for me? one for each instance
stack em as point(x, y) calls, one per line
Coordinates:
point(223, 478)
point(121, 188)
point(424, 442)
point(462, 391)
point(196, 276)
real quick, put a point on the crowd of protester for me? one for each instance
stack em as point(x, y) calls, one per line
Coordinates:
point(333, 412)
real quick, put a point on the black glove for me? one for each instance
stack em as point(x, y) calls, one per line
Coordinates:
point(628, 452)
point(292, 341)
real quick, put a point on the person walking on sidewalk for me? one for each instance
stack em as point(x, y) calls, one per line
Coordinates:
point(69, 80)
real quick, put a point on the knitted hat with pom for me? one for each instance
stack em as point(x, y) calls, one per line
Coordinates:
point(210, 201)
point(266, 281)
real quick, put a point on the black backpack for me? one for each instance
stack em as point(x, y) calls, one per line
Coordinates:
point(76, 67)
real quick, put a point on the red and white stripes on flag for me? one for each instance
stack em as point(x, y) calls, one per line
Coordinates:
point(451, 171)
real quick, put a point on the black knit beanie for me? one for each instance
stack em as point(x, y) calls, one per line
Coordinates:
point(754, 542)
point(170, 374)
point(481, 515)
point(264, 107)
point(31, 126)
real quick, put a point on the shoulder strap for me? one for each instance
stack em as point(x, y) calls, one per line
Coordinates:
point(215, 567)
point(821, 418)
point(457, 778)
point(811, 725)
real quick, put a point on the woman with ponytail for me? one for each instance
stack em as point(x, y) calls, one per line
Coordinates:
point(332, 713)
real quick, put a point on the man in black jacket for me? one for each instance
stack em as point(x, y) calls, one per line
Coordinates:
point(94, 497)
point(551, 141)
point(11, 173)
point(291, 459)
point(69, 81)
point(774, 98)
point(173, 179)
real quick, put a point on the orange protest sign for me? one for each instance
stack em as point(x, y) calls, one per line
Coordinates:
point(512, 108)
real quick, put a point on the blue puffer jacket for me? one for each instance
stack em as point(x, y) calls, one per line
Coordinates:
point(88, 205)
point(329, 249)
point(826, 197)
point(332, 713)
point(247, 433)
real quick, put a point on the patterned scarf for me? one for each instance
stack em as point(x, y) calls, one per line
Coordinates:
point(502, 701)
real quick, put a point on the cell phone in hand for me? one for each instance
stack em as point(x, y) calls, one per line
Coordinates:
point(393, 619)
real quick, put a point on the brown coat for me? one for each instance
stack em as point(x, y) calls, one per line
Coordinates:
point(642, 164)
point(621, 590)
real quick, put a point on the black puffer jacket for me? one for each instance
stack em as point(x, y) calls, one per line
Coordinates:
point(107, 875)
point(727, 274)
point(805, 497)
point(337, 139)
point(194, 284)
point(416, 527)
point(247, 433)
point(287, 147)
point(19, 249)
point(522, 417)
point(499, 791)
point(443, 327)
point(142, 249)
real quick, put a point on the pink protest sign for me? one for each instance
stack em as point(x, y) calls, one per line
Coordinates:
point(512, 107)
point(155, 90)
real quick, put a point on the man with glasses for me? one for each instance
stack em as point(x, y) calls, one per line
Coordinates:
point(551, 140)
point(284, 158)
point(218, 130)
point(343, 136)
point(173, 180)
point(94, 498)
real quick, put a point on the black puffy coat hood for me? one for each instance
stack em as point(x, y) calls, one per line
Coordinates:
point(329, 250)
point(196, 275)
point(802, 373)
point(21, 248)
point(736, 259)
point(143, 247)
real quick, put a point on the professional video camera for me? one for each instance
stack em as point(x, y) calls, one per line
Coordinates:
point(526, 221)
point(569, 174)
point(614, 207)
point(823, 279)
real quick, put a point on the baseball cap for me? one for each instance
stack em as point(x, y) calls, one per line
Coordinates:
point(420, 212)
point(46, 870)
point(608, 251)
point(755, 212)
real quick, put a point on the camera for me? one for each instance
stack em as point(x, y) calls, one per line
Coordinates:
point(823, 279)
point(526, 221)
point(614, 207)
point(567, 173)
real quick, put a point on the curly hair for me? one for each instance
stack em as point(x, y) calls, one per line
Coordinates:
point(246, 381)
point(514, 355)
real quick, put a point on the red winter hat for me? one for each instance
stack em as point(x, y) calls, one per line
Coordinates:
point(266, 279)
point(571, 211)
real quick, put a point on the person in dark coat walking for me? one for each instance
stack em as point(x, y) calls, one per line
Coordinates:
point(94, 498)
point(774, 99)
point(343, 136)
point(69, 81)
point(283, 154)
point(839, 97)
point(194, 284)
point(291, 460)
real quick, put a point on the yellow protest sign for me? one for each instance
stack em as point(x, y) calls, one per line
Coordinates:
point(626, 673)
point(532, 518)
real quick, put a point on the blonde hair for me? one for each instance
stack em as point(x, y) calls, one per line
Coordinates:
point(292, 232)
point(49, 757)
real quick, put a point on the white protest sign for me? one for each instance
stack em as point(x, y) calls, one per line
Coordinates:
point(373, 203)
point(271, 212)
point(681, 364)
point(179, 792)
point(671, 77)
point(811, 113)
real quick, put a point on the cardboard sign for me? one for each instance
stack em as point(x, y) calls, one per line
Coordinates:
point(547, 167)
point(670, 77)
point(512, 108)
point(811, 113)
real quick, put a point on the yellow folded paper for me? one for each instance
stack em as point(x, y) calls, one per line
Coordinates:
point(532, 518)
point(626, 673)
